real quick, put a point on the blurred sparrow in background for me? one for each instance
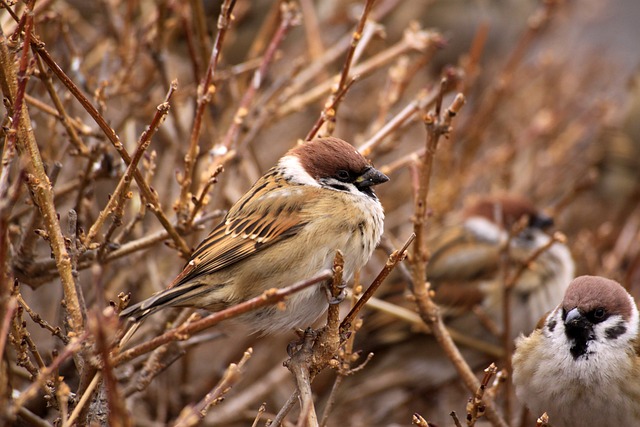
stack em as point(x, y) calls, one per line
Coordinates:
point(468, 261)
point(582, 365)
point(467, 273)
point(318, 199)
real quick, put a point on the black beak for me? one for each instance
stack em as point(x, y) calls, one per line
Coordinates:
point(369, 178)
point(579, 330)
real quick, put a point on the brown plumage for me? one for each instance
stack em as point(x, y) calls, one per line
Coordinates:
point(287, 227)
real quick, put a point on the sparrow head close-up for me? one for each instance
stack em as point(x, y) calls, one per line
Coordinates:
point(582, 366)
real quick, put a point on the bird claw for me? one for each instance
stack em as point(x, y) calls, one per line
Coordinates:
point(304, 337)
point(291, 347)
point(338, 298)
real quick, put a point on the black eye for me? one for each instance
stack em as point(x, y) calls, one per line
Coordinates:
point(343, 175)
point(599, 313)
point(540, 221)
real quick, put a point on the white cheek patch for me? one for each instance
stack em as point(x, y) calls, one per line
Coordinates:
point(291, 166)
point(635, 318)
point(485, 229)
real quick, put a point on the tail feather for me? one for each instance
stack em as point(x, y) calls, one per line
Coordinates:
point(170, 297)
point(136, 312)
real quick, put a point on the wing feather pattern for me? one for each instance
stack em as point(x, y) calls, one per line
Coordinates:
point(249, 227)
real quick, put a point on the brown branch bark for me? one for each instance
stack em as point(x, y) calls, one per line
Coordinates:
point(13, 87)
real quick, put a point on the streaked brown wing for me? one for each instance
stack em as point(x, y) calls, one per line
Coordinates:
point(462, 257)
point(459, 263)
point(249, 227)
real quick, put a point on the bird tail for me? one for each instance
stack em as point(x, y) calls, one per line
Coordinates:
point(139, 311)
point(128, 334)
point(170, 297)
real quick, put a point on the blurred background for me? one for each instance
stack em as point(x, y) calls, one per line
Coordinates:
point(552, 116)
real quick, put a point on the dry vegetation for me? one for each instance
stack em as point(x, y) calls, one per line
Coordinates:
point(130, 126)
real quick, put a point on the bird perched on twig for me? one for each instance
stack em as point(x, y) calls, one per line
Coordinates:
point(582, 366)
point(318, 199)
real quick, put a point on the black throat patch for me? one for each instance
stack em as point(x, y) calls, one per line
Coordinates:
point(579, 333)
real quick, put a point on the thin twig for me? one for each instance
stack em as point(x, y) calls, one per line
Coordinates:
point(393, 260)
point(429, 311)
point(40, 271)
point(117, 200)
point(475, 406)
point(414, 39)
point(37, 178)
point(329, 111)
point(206, 92)
point(56, 331)
point(344, 83)
point(181, 333)
point(100, 326)
point(192, 415)
point(147, 192)
point(31, 391)
point(290, 18)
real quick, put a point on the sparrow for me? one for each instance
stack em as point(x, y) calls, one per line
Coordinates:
point(466, 266)
point(318, 199)
point(582, 365)
point(466, 271)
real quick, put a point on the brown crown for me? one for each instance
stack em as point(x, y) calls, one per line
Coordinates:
point(590, 292)
point(324, 157)
point(505, 210)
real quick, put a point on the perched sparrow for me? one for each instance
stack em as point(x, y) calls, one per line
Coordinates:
point(467, 259)
point(582, 365)
point(287, 227)
point(466, 271)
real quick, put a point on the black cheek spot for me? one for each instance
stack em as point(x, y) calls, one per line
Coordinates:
point(615, 331)
point(551, 325)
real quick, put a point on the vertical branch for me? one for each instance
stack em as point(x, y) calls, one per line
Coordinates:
point(102, 327)
point(206, 91)
point(13, 87)
point(428, 310)
point(338, 92)
point(328, 114)
point(289, 18)
point(64, 118)
point(436, 127)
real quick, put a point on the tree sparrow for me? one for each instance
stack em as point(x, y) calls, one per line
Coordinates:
point(582, 365)
point(466, 265)
point(318, 199)
point(467, 259)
